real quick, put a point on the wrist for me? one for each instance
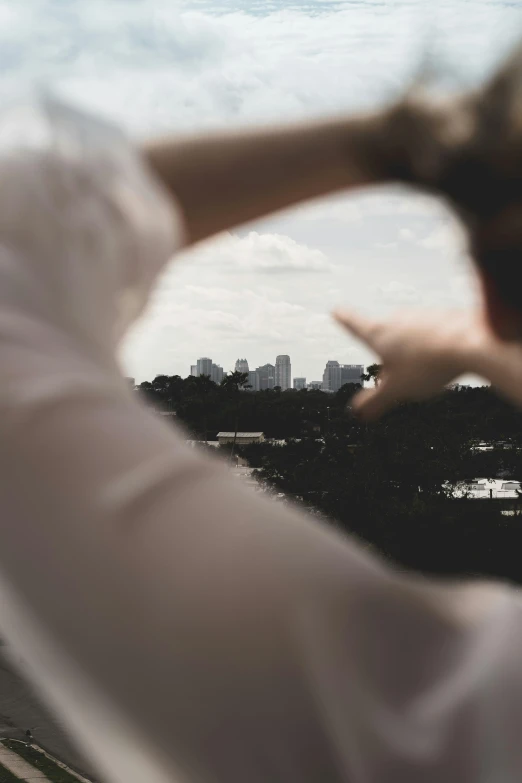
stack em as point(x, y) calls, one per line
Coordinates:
point(417, 139)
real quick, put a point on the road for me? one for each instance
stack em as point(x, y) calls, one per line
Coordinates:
point(20, 710)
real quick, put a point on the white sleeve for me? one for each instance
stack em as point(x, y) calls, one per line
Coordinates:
point(182, 627)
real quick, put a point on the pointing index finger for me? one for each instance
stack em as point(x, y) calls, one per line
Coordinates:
point(366, 329)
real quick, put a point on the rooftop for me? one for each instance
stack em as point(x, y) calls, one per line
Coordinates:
point(488, 488)
point(239, 434)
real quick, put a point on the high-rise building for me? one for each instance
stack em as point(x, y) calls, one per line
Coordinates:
point(266, 375)
point(253, 380)
point(351, 373)
point(241, 365)
point(332, 376)
point(217, 373)
point(283, 372)
point(204, 366)
point(299, 383)
point(193, 369)
point(315, 385)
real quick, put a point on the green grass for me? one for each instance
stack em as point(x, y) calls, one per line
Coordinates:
point(6, 776)
point(40, 761)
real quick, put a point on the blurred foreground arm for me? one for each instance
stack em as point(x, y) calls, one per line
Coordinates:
point(221, 180)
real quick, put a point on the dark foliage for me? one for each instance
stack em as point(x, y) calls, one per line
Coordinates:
point(388, 483)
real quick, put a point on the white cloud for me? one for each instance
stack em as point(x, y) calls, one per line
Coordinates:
point(398, 292)
point(157, 63)
point(345, 210)
point(447, 237)
point(406, 235)
point(265, 253)
point(386, 245)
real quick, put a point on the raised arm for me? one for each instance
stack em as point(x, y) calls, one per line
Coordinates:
point(466, 149)
point(221, 180)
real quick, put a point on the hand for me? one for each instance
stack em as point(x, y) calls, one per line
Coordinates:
point(422, 352)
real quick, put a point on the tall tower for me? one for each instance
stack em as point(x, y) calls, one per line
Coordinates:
point(266, 375)
point(242, 365)
point(217, 373)
point(283, 372)
point(204, 366)
point(332, 376)
point(351, 373)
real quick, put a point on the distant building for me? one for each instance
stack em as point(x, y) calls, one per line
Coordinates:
point(283, 372)
point(194, 369)
point(482, 489)
point(217, 373)
point(351, 373)
point(204, 366)
point(266, 375)
point(315, 385)
point(253, 380)
point(299, 383)
point(241, 365)
point(332, 376)
point(241, 438)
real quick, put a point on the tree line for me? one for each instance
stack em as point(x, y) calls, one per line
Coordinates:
point(389, 483)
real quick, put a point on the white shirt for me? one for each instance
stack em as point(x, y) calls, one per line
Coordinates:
point(245, 645)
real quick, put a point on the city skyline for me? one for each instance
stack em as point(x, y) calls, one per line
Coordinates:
point(279, 375)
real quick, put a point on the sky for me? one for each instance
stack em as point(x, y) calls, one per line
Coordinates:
point(158, 65)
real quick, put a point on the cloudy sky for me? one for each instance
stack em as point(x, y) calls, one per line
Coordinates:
point(153, 65)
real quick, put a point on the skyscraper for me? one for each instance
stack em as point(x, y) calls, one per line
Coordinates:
point(193, 369)
point(299, 383)
point(351, 373)
point(283, 372)
point(266, 375)
point(217, 373)
point(204, 366)
point(241, 365)
point(253, 380)
point(332, 376)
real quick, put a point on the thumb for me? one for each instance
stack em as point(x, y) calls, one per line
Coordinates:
point(372, 403)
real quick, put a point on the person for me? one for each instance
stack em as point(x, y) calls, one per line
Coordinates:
point(180, 626)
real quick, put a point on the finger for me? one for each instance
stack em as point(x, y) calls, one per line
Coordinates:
point(360, 326)
point(373, 403)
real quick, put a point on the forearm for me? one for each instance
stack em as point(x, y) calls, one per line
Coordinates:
point(225, 179)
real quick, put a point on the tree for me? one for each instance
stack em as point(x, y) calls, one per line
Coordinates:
point(373, 372)
point(204, 386)
point(233, 383)
point(390, 482)
point(344, 396)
